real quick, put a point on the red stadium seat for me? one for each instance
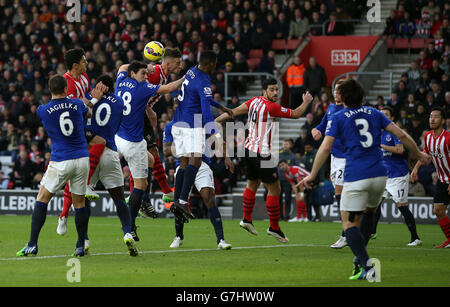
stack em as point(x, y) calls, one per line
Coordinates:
point(279, 44)
point(417, 43)
point(292, 44)
point(398, 43)
point(256, 53)
point(253, 63)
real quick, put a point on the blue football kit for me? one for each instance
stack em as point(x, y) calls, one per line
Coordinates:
point(135, 96)
point(338, 148)
point(63, 119)
point(395, 164)
point(359, 129)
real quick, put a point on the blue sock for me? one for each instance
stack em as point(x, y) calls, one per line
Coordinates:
point(338, 202)
point(216, 221)
point(37, 221)
point(179, 226)
point(87, 205)
point(409, 221)
point(188, 182)
point(146, 196)
point(135, 205)
point(357, 244)
point(179, 178)
point(366, 226)
point(123, 212)
point(81, 223)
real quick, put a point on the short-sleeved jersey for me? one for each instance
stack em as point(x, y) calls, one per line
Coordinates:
point(135, 96)
point(168, 137)
point(63, 119)
point(77, 88)
point(107, 115)
point(194, 102)
point(359, 130)
point(157, 77)
point(396, 165)
point(338, 149)
point(262, 114)
point(295, 174)
point(439, 150)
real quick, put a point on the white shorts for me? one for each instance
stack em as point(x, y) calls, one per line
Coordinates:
point(75, 171)
point(204, 178)
point(109, 170)
point(136, 155)
point(362, 194)
point(188, 140)
point(337, 168)
point(398, 188)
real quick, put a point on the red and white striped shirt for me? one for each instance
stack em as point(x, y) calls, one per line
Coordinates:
point(158, 77)
point(77, 88)
point(295, 174)
point(439, 150)
point(262, 114)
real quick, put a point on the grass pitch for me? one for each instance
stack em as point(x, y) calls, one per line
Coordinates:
point(254, 261)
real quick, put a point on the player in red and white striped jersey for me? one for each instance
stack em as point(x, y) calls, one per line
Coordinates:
point(262, 113)
point(171, 64)
point(78, 86)
point(294, 175)
point(437, 145)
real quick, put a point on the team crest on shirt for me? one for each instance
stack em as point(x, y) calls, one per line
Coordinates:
point(207, 91)
point(284, 110)
point(328, 125)
point(388, 138)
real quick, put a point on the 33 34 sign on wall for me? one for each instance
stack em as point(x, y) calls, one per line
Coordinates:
point(345, 57)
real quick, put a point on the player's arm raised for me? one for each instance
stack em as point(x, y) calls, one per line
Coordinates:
point(301, 109)
point(171, 87)
point(242, 109)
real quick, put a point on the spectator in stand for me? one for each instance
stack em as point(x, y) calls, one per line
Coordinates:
point(430, 9)
point(267, 63)
point(435, 72)
point(432, 53)
point(424, 26)
point(413, 76)
point(22, 171)
point(299, 25)
point(406, 27)
point(333, 27)
point(315, 77)
point(299, 144)
point(423, 61)
point(4, 181)
point(391, 22)
point(295, 81)
point(380, 103)
point(316, 24)
point(260, 39)
point(395, 103)
point(438, 96)
point(402, 92)
point(282, 27)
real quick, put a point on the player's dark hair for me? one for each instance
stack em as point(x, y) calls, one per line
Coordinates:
point(172, 53)
point(57, 84)
point(440, 110)
point(73, 56)
point(352, 93)
point(388, 108)
point(108, 81)
point(282, 161)
point(207, 57)
point(135, 66)
point(267, 82)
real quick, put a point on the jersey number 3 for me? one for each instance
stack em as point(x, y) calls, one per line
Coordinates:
point(364, 131)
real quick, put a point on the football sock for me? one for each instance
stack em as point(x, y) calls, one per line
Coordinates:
point(317, 211)
point(445, 226)
point(67, 201)
point(160, 175)
point(299, 209)
point(37, 221)
point(135, 205)
point(94, 158)
point(179, 179)
point(249, 204)
point(216, 221)
point(81, 223)
point(131, 183)
point(87, 205)
point(409, 221)
point(123, 212)
point(273, 208)
point(376, 219)
point(303, 209)
point(357, 244)
point(179, 225)
point(366, 226)
point(338, 202)
point(146, 196)
point(188, 182)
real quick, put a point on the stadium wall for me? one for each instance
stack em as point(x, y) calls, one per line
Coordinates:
point(21, 202)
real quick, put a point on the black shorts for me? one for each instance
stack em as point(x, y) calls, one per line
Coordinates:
point(149, 133)
point(256, 171)
point(89, 135)
point(441, 195)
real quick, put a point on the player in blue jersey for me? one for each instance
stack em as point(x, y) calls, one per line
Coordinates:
point(106, 118)
point(337, 166)
point(135, 91)
point(204, 183)
point(359, 128)
point(395, 159)
point(63, 120)
point(192, 120)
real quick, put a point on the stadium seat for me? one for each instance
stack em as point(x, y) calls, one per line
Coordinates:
point(417, 43)
point(279, 44)
point(253, 63)
point(398, 43)
point(256, 53)
point(292, 44)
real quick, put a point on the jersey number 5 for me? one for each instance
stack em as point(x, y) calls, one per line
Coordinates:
point(181, 95)
point(364, 131)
